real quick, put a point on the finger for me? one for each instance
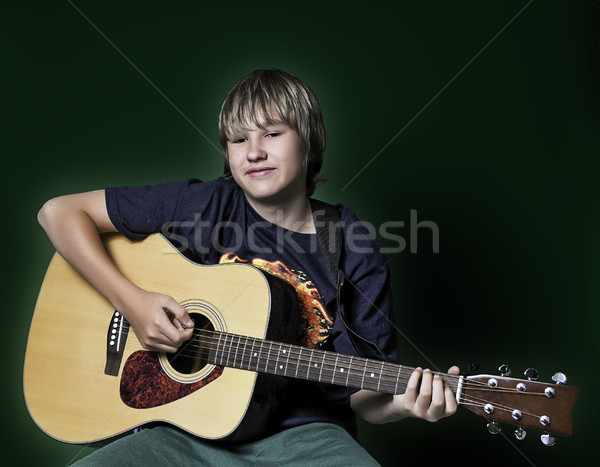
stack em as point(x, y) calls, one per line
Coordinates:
point(163, 347)
point(179, 313)
point(412, 387)
point(454, 370)
point(173, 335)
point(425, 392)
point(438, 397)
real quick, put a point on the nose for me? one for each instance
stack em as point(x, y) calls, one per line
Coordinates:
point(256, 151)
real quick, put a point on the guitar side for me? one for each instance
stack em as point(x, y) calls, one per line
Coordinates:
point(67, 391)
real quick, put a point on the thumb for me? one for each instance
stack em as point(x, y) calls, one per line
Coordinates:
point(179, 314)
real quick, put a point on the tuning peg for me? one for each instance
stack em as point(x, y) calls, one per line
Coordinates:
point(504, 370)
point(548, 439)
point(531, 374)
point(559, 378)
point(520, 433)
point(493, 427)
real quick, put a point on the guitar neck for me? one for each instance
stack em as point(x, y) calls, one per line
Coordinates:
point(293, 361)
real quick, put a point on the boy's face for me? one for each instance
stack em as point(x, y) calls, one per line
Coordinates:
point(267, 163)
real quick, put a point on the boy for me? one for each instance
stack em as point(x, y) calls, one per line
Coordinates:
point(271, 130)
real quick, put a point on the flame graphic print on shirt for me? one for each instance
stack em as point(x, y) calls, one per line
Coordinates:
point(317, 323)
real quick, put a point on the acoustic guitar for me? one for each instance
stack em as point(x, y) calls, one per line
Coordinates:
point(87, 377)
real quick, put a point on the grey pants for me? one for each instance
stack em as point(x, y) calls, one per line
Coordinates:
point(316, 444)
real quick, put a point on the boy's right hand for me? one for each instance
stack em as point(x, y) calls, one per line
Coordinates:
point(160, 323)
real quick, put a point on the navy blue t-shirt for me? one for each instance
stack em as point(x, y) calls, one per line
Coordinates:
point(212, 223)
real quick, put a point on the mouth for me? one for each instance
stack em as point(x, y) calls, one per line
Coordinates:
point(259, 172)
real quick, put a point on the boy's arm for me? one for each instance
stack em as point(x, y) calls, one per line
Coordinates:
point(73, 224)
point(426, 397)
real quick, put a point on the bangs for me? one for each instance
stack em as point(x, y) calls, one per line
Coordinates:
point(248, 114)
point(257, 105)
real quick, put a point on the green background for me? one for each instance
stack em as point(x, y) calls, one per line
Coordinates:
point(496, 140)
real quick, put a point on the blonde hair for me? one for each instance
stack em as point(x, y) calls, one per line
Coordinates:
point(271, 96)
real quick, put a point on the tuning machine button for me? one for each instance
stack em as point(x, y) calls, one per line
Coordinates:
point(504, 370)
point(493, 427)
point(520, 433)
point(548, 439)
point(544, 420)
point(559, 378)
point(531, 374)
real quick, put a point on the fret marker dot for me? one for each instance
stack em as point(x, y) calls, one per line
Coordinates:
point(284, 351)
point(281, 367)
point(255, 354)
point(372, 375)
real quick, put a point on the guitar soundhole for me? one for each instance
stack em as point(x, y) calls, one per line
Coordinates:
point(193, 354)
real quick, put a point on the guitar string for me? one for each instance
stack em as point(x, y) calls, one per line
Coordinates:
point(388, 381)
point(334, 359)
point(327, 361)
point(464, 400)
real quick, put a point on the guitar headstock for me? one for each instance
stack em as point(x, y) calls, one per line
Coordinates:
point(525, 403)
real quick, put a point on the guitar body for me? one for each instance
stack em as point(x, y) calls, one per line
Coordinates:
point(87, 380)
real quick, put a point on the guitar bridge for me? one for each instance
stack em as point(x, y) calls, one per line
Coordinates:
point(116, 337)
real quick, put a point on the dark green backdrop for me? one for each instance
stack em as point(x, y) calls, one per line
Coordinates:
point(491, 109)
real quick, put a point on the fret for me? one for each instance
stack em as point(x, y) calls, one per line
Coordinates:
point(287, 360)
point(252, 354)
point(341, 370)
point(309, 364)
point(218, 352)
point(267, 359)
point(334, 372)
point(364, 372)
point(298, 363)
point(226, 348)
point(259, 353)
point(397, 379)
point(245, 354)
point(283, 351)
point(237, 346)
point(371, 375)
point(349, 369)
point(322, 361)
point(277, 359)
point(380, 373)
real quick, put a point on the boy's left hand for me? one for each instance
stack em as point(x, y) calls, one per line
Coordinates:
point(426, 396)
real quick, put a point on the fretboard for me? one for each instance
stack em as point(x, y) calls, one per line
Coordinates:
point(293, 361)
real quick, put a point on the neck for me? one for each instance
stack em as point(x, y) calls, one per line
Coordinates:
point(293, 215)
point(294, 361)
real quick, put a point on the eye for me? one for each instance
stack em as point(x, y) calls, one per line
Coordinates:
point(238, 140)
point(273, 134)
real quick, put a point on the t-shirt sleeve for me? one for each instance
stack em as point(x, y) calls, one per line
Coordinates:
point(137, 212)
